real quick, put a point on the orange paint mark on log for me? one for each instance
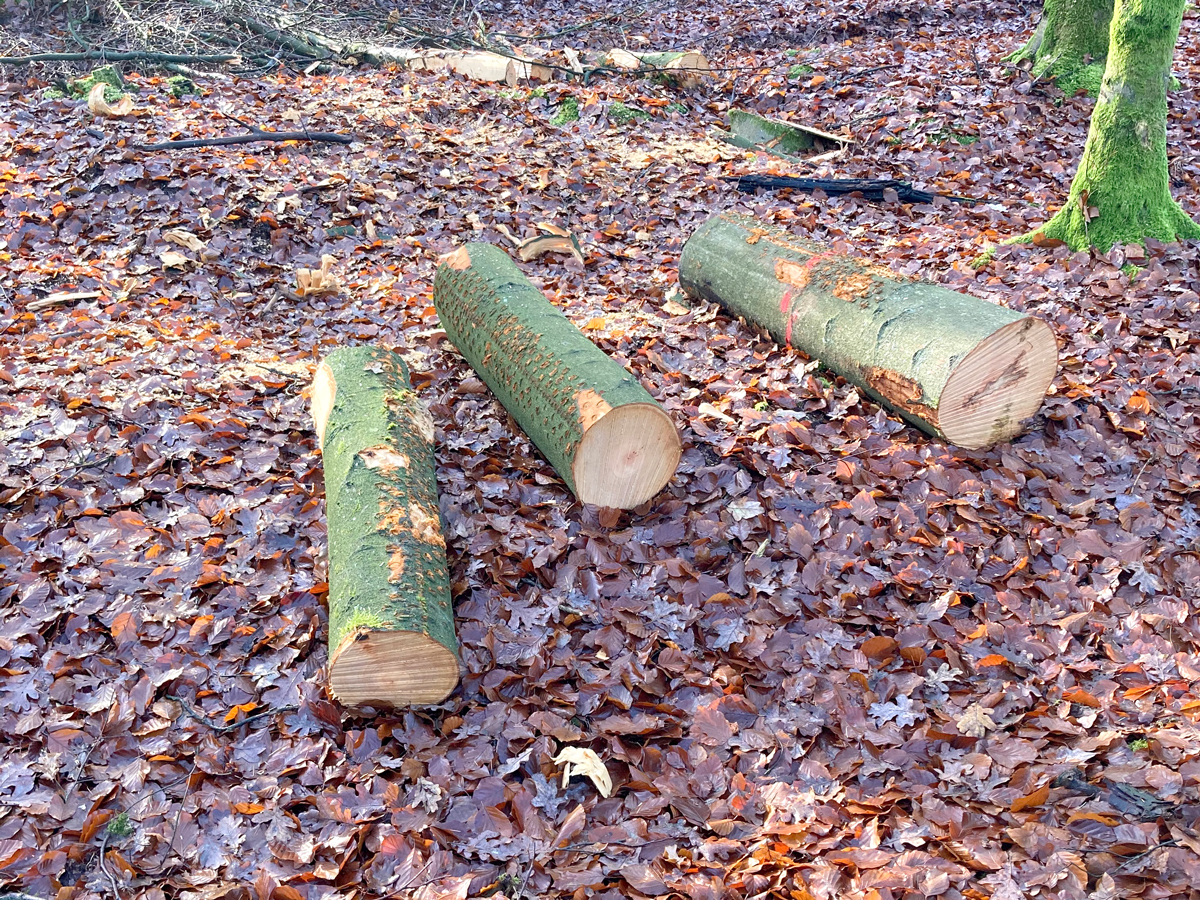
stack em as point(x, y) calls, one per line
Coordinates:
point(459, 260)
point(592, 408)
point(900, 391)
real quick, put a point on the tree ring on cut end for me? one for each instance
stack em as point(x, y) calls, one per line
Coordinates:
point(999, 383)
point(391, 668)
point(626, 456)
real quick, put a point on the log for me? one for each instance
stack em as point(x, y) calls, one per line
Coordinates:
point(687, 68)
point(604, 434)
point(787, 139)
point(955, 366)
point(391, 622)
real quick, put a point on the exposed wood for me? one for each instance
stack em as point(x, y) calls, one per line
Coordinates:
point(125, 56)
point(391, 622)
point(604, 434)
point(955, 366)
point(688, 69)
point(251, 138)
point(476, 65)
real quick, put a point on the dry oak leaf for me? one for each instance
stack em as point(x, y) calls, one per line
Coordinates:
point(184, 239)
point(582, 761)
point(101, 107)
point(975, 721)
point(310, 282)
point(173, 260)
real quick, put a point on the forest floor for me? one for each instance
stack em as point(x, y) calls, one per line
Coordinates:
point(835, 658)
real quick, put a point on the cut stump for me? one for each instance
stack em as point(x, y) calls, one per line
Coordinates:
point(958, 367)
point(604, 434)
point(391, 621)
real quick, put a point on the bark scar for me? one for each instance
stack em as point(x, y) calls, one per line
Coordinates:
point(459, 260)
point(902, 392)
point(592, 408)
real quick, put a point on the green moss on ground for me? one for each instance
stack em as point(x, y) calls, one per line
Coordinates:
point(180, 85)
point(621, 114)
point(79, 88)
point(568, 111)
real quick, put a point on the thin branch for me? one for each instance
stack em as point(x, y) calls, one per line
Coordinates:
point(231, 726)
point(110, 56)
point(252, 138)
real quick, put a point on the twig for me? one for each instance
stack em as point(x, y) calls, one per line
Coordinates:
point(75, 467)
point(104, 870)
point(252, 138)
point(109, 56)
point(232, 726)
point(1131, 859)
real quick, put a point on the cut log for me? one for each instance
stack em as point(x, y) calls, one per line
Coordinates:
point(956, 366)
point(391, 622)
point(605, 435)
point(687, 69)
point(476, 65)
point(784, 139)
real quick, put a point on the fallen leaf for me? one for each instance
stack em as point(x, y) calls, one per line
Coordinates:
point(583, 761)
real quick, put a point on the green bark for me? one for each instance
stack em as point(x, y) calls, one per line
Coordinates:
point(755, 132)
point(900, 341)
point(1121, 192)
point(1070, 44)
point(387, 559)
point(555, 382)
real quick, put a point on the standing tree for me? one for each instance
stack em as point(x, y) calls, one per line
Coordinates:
point(1121, 193)
point(1070, 44)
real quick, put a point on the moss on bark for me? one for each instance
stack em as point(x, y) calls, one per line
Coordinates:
point(1070, 44)
point(387, 557)
point(1121, 192)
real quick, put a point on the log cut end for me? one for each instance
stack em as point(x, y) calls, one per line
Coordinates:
point(323, 393)
point(1000, 383)
point(391, 668)
point(627, 454)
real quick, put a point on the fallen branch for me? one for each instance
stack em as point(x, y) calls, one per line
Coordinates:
point(107, 56)
point(870, 188)
point(327, 137)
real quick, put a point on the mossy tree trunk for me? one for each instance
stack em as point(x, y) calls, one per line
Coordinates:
point(1121, 192)
point(956, 366)
point(1070, 44)
point(391, 623)
point(600, 429)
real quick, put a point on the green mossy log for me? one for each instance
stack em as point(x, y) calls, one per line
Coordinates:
point(1070, 44)
point(955, 366)
point(391, 621)
point(755, 132)
point(600, 429)
point(1121, 192)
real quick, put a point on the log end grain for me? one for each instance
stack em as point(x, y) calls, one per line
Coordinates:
point(391, 668)
point(627, 455)
point(1000, 383)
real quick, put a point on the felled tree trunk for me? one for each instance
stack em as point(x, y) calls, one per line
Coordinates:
point(391, 622)
point(600, 429)
point(1070, 44)
point(955, 366)
point(687, 69)
point(1121, 192)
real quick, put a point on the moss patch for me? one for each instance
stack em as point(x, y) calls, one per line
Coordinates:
point(79, 88)
point(568, 111)
point(180, 85)
point(621, 114)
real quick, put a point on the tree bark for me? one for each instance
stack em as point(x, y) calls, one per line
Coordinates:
point(953, 365)
point(391, 622)
point(1121, 192)
point(1070, 44)
point(600, 429)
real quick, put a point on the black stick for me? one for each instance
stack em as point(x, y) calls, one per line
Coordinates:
point(140, 55)
point(254, 136)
